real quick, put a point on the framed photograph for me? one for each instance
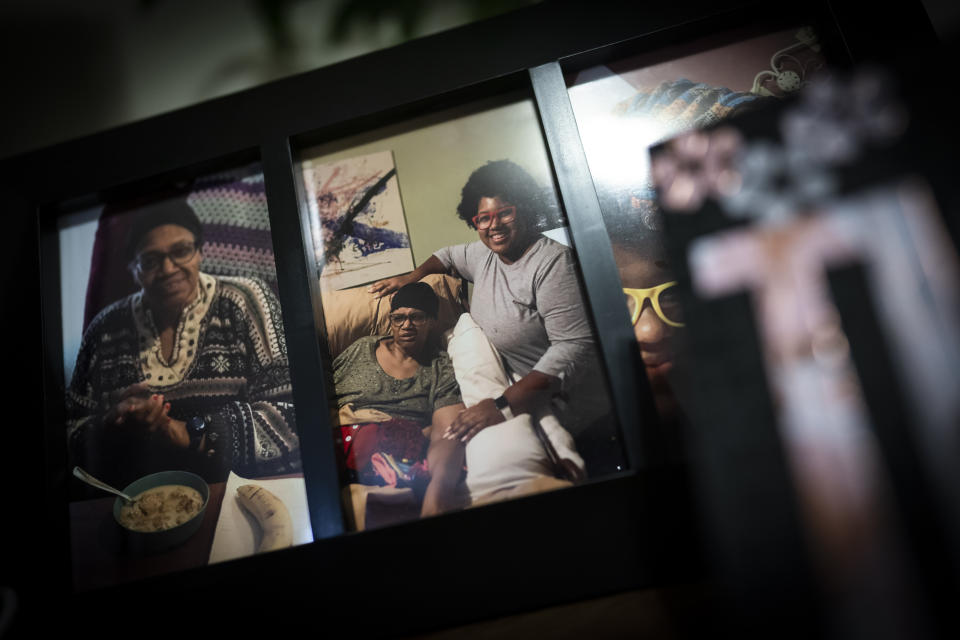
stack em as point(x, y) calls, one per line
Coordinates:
point(178, 391)
point(495, 303)
point(373, 179)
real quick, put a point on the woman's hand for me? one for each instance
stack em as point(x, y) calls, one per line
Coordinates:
point(135, 407)
point(174, 432)
point(472, 421)
point(389, 285)
point(138, 412)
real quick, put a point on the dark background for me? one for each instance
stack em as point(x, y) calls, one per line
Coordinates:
point(73, 68)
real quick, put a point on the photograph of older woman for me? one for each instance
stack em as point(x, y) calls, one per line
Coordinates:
point(190, 372)
point(526, 299)
point(405, 383)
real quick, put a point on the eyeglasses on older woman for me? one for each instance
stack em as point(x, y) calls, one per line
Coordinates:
point(179, 254)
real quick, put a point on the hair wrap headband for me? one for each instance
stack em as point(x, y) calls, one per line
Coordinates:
point(416, 295)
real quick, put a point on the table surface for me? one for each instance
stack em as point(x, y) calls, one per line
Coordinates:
point(98, 544)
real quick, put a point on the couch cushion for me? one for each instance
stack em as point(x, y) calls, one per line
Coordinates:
point(353, 313)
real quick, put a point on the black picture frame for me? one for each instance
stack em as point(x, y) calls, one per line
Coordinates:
point(599, 538)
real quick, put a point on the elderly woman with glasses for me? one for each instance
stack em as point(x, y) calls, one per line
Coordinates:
point(408, 385)
point(190, 372)
point(526, 296)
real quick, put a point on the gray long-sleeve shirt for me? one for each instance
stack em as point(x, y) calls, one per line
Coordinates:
point(531, 310)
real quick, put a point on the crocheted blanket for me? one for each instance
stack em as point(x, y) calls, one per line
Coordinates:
point(232, 206)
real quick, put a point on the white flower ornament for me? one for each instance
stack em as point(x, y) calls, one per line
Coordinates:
point(696, 165)
point(777, 184)
point(833, 122)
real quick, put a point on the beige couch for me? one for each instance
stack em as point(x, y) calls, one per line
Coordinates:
point(353, 313)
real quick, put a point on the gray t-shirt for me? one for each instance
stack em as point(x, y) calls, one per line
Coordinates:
point(531, 310)
point(359, 379)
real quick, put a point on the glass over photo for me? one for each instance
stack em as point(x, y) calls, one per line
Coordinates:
point(464, 367)
point(178, 390)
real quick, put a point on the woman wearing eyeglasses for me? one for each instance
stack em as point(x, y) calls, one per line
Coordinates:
point(190, 372)
point(410, 382)
point(526, 296)
point(652, 300)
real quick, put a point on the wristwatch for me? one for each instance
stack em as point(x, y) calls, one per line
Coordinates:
point(501, 403)
point(196, 427)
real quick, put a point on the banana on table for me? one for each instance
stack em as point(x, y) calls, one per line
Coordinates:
point(271, 514)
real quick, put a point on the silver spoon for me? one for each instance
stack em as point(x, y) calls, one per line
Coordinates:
point(99, 484)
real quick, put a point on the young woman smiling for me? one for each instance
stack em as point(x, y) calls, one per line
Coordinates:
point(526, 296)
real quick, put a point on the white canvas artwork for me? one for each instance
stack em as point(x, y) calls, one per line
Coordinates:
point(356, 219)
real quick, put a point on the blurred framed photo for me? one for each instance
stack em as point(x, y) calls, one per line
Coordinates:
point(815, 260)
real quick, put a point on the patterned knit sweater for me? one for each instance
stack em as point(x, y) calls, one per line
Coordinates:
point(229, 365)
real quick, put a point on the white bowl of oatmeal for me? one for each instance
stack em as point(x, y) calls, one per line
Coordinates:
point(167, 509)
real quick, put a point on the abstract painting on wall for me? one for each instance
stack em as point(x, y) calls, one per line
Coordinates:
point(356, 219)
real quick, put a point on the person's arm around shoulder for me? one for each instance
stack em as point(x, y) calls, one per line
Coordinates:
point(387, 286)
point(460, 260)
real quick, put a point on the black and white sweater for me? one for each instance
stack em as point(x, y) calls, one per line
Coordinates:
point(229, 365)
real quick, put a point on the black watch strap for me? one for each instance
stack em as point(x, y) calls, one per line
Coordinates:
point(504, 406)
point(196, 427)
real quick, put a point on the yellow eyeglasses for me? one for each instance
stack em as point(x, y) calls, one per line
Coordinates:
point(663, 301)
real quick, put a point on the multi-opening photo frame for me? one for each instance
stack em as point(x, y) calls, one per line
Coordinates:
point(631, 525)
